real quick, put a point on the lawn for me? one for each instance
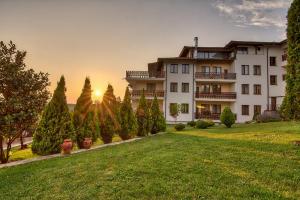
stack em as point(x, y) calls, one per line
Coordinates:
point(250, 161)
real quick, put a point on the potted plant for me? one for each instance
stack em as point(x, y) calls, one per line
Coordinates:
point(87, 143)
point(67, 146)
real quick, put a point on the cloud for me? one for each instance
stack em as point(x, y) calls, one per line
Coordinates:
point(260, 13)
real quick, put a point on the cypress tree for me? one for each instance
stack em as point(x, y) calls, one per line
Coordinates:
point(158, 121)
point(83, 118)
point(109, 119)
point(291, 104)
point(127, 118)
point(55, 125)
point(143, 116)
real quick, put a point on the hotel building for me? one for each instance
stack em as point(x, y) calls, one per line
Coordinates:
point(248, 77)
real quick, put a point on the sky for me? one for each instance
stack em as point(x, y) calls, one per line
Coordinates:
point(102, 39)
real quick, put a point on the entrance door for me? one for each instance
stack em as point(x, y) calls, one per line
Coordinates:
point(273, 103)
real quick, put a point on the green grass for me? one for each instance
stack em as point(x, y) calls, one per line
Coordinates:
point(254, 161)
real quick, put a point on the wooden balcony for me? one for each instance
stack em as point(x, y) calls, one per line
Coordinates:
point(212, 116)
point(144, 75)
point(148, 94)
point(223, 76)
point(221, 95)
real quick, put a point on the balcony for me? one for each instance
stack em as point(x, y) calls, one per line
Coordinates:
point(207, 115)
point(213, 76)
point(144, 75)
point(148, 94)
point(230, 96)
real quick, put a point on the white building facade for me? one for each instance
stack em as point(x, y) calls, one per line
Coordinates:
point(248, 77)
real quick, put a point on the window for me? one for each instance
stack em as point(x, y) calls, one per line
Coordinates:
point(185, 68)
point(205, 88)
point(257, 110)
point(284, 77)
point(245, 88)
point(205, 69)
point(256, 70)
point(217, 70)
point(216, 109)
point(185, 108)
point(173, 87)
point(172, 107)
point(272, 61)
point(185, 87)
point(258, 50)
point(273, 80)
point(150, 87)
point(257, 89)
point(245, 69)
point(245, 109)
point(216, 88)
point(174, 68)
point(242, 50)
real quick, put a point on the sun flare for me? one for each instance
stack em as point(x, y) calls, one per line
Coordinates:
point(97, 93)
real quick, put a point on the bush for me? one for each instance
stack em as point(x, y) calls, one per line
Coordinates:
point(269, 116)
point(227, 117)
point(210, 122)
point(201, 124)
point(179, 127)
point(191, 123)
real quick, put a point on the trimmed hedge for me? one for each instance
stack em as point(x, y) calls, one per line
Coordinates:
point(179, 127)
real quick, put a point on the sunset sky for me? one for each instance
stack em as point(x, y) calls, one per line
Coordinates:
point(104, 38)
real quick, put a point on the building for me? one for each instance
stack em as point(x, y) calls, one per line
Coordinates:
point(249, 77)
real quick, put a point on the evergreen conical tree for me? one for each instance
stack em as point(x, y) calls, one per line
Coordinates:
point(291, 104)
point(143, 116)
point(83, 117)
point(109, 119)
point(127, 118)
point(55, 125)
point(158, 122)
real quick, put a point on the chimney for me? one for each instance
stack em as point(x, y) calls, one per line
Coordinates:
point(196, 46)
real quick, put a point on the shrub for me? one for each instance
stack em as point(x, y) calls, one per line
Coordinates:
point(55, 125)
point(227, 117)
point(179, 127)
point(201, 124)
point(127, 118)
point(158, 122)
point(210, 122)
point(269, 116)
point(191, 123)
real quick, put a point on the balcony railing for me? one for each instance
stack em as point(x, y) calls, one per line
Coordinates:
point(212, 116)
point(222, 95)
point(144, 74)
point(138, 93)
point(225, 76)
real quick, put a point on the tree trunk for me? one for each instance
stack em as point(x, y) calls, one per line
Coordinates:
point(22, 146)
point(1, 150)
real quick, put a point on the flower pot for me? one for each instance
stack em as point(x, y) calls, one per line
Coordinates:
point(87, 143)
point(67, 146)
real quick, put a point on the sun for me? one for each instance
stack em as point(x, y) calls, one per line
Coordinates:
point(97, 94)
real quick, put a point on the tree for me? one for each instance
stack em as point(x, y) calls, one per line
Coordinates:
point(143, 116)
point(290, 108)
point(84, 116)
point(158, 121)
point(55, 125)
point(128, 121)
point(23, 95)
point(109, 119)
point(227, 117)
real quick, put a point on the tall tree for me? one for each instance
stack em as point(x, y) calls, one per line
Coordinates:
point(127, 118)
point(158, 122)
point(143, 116)
point(23, 95)
point(55, 125)
point(291, 104)
point(84, 116)
point(109, 118)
